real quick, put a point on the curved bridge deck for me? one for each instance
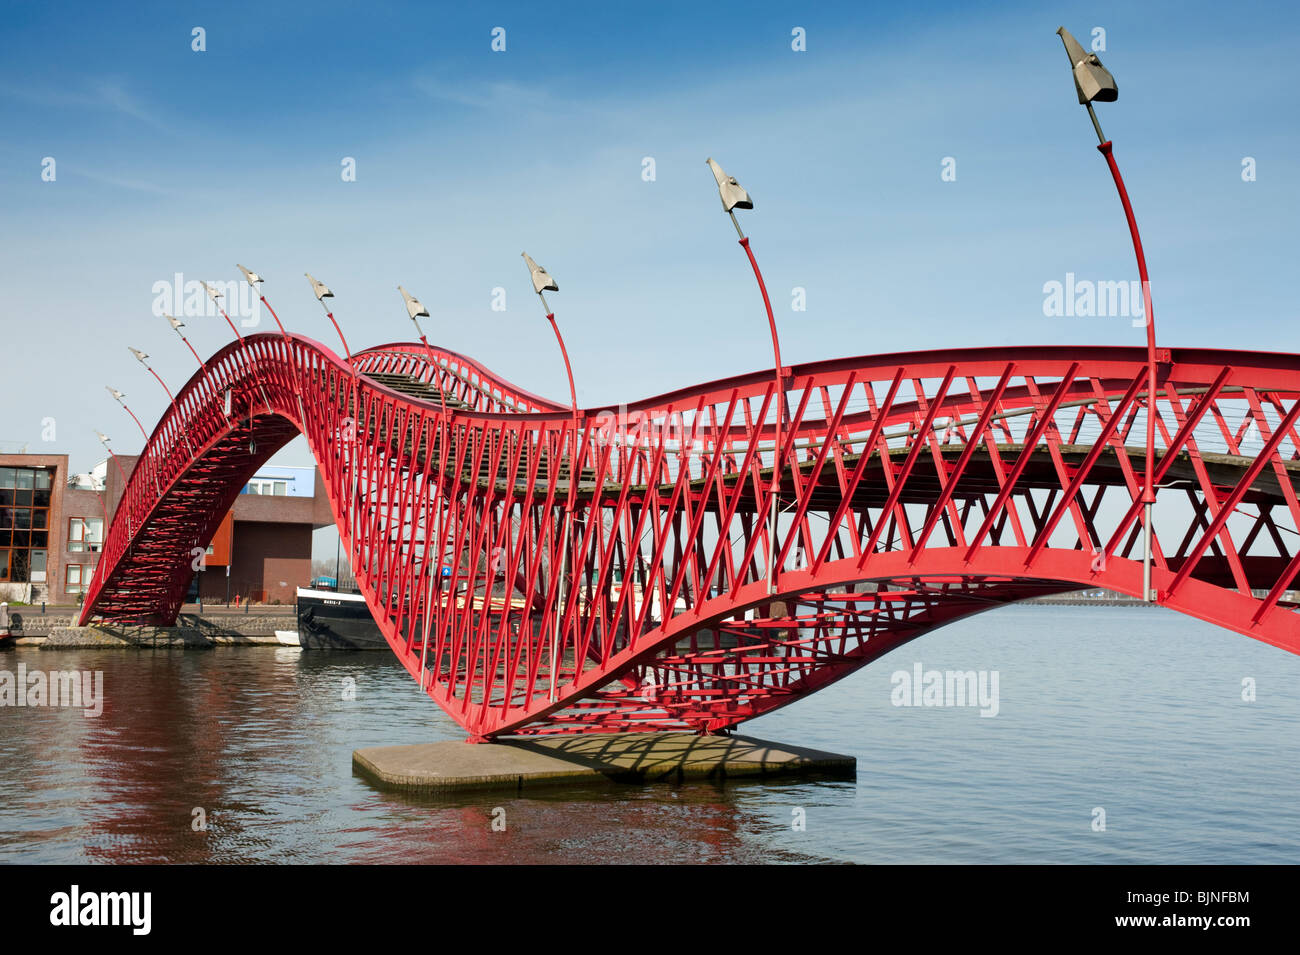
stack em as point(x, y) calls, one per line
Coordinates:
point(650, 593)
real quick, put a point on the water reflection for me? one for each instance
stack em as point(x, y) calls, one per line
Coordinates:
point(1151, 727)
point(261, 740)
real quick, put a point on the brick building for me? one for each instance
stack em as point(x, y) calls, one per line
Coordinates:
point(53, 524)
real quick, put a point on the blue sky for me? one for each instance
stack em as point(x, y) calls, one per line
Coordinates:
point(170, 160)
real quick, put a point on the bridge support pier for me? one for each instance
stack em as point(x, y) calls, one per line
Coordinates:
point(583, 759)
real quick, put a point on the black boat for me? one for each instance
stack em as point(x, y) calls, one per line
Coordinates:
point(328, 620)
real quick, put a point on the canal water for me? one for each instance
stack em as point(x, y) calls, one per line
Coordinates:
point(1133, 717)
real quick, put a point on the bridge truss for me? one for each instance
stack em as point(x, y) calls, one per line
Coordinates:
point(535, 577)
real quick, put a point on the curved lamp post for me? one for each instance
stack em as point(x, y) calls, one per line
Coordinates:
point(118, 397)
point(415, 309)
point(322, 292)
point(735, 197)
point(255, 281)
point(103, 439)
point(177, 325)
point(103, 507)
point(143, 359)
point(542, 282)
point(1093, 83)
point(216, 300)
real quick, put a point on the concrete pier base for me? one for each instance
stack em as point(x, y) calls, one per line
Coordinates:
point(100, 636)
point(559, 760)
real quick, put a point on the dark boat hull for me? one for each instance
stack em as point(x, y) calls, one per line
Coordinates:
point(334, 621)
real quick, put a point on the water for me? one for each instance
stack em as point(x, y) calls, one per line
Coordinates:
point(1132, 710)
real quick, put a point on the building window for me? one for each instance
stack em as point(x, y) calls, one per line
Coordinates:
point(24, 522)
point(72, 579)
point(85, 534)
point(267, 486)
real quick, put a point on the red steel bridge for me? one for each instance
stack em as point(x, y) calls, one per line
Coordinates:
point(539, 572)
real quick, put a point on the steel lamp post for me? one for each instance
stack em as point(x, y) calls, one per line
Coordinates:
point(143, 358)
point(735, 197)
point(255, 282)
point(414, 310)
point(177, 325)
point(1093, 83)
point(103, 439)
point(216, 300)
point(322, 292)
point(119, 398)
point(542, 283)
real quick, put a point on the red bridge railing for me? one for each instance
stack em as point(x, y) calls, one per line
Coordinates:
point(913, 489)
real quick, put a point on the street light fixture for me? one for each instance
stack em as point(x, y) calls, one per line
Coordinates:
point(255, 281)
point(1093, 83)
point(216, 300)
point(731, 192)
point(735, 197)
point(542, 282)
point(119, 398)
point(103, 439)
point(143, 359)
point(322, 292)
point(177, 325)
point(414, 309)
